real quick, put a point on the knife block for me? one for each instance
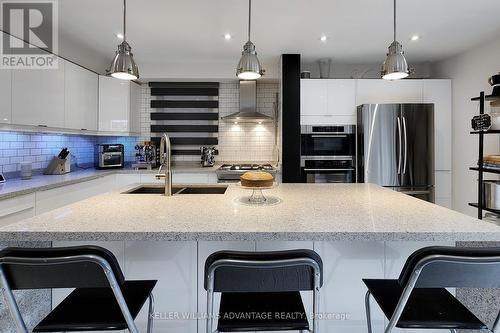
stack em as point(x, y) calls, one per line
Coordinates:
point(58, 166)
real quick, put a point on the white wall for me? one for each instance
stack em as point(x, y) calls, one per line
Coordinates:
point(469, 72)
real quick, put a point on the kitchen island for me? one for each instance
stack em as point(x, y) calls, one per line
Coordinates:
point(319, 212)
point(359, 230)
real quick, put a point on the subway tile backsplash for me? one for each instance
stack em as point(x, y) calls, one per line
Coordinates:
point(40, 148)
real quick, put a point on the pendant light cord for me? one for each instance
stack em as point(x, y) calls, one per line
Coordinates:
point(249, 18)
point(124, 20)
point(394, 20)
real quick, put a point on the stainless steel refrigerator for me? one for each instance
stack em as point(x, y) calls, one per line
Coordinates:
point(395, 147)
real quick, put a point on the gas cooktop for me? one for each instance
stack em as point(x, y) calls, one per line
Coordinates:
point(234, 171)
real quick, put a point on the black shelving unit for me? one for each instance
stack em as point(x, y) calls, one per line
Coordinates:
point(482, 98)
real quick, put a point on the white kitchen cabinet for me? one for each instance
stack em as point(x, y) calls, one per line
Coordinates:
point(5, 96)
point(114, 104)
point(135, 108)
point(17, 209)
point(313, 97)
point(205, 249)
point(58, 197)
point(438, 92)
point(328, 102)
point(385, 92)
point(38, 96)
point(80, 98)
point(119, 105)
point(174, 265)
point(342, 296)
point(342, 101)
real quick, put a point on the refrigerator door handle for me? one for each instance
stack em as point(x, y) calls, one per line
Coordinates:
point(406, 145)
point(399, 145)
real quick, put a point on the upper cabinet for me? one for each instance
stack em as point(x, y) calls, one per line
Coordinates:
point(5, 96)
point(135, 107)
point(38, 96)
point(313, 97)
point(81, 98)
point(328, 101)
point(373, 91)
point(118, 105)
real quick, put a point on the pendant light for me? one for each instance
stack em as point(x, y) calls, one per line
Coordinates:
point(123, 66)
point(249, 66)
point(395, 66)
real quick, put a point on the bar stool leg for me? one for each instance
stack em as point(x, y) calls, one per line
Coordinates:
point(368, 312)
point(12, 304)
point(210, 308)
point(496, 325)
point(151, 309)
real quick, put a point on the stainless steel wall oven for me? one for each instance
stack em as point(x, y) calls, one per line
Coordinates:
point(328, 154)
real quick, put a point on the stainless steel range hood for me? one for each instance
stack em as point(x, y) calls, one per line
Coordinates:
point(248, 106)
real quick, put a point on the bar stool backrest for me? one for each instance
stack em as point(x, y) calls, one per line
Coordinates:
point(62, 267)
point(452, 267)
point(277, 271)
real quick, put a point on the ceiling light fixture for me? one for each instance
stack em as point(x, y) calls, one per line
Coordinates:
point(119, 36)
point(414, 38)
point(227, 36)
point(249, 66)
point(323, 38)
point(123, 66)
point(395, 66)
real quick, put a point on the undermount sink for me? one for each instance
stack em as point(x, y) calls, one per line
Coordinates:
point(187, 189)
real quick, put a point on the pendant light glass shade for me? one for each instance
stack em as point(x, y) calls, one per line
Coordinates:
point(123, 66)
point(249, 67)
point(395, 66)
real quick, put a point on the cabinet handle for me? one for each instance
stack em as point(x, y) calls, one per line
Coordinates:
point(83, 129)
point(42, 126)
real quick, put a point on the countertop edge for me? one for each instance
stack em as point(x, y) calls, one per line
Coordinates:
point(248, 236)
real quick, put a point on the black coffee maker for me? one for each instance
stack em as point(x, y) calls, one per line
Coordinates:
point(494, 81)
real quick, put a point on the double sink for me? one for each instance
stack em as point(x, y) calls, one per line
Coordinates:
point(179, 189)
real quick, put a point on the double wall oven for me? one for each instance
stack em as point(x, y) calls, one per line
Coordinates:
point(328, 154)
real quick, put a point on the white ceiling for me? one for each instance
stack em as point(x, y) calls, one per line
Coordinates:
point(166, 32)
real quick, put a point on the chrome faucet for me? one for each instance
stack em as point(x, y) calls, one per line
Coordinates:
point(165, 163)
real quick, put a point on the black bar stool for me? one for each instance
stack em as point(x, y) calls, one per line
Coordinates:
point(102, 300)
point(260, 291)
point(418, 299)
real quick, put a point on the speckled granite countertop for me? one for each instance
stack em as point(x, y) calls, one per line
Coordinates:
point(347, 212)
point(16, 187)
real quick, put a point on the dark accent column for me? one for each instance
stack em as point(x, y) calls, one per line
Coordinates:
point(290, 90)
